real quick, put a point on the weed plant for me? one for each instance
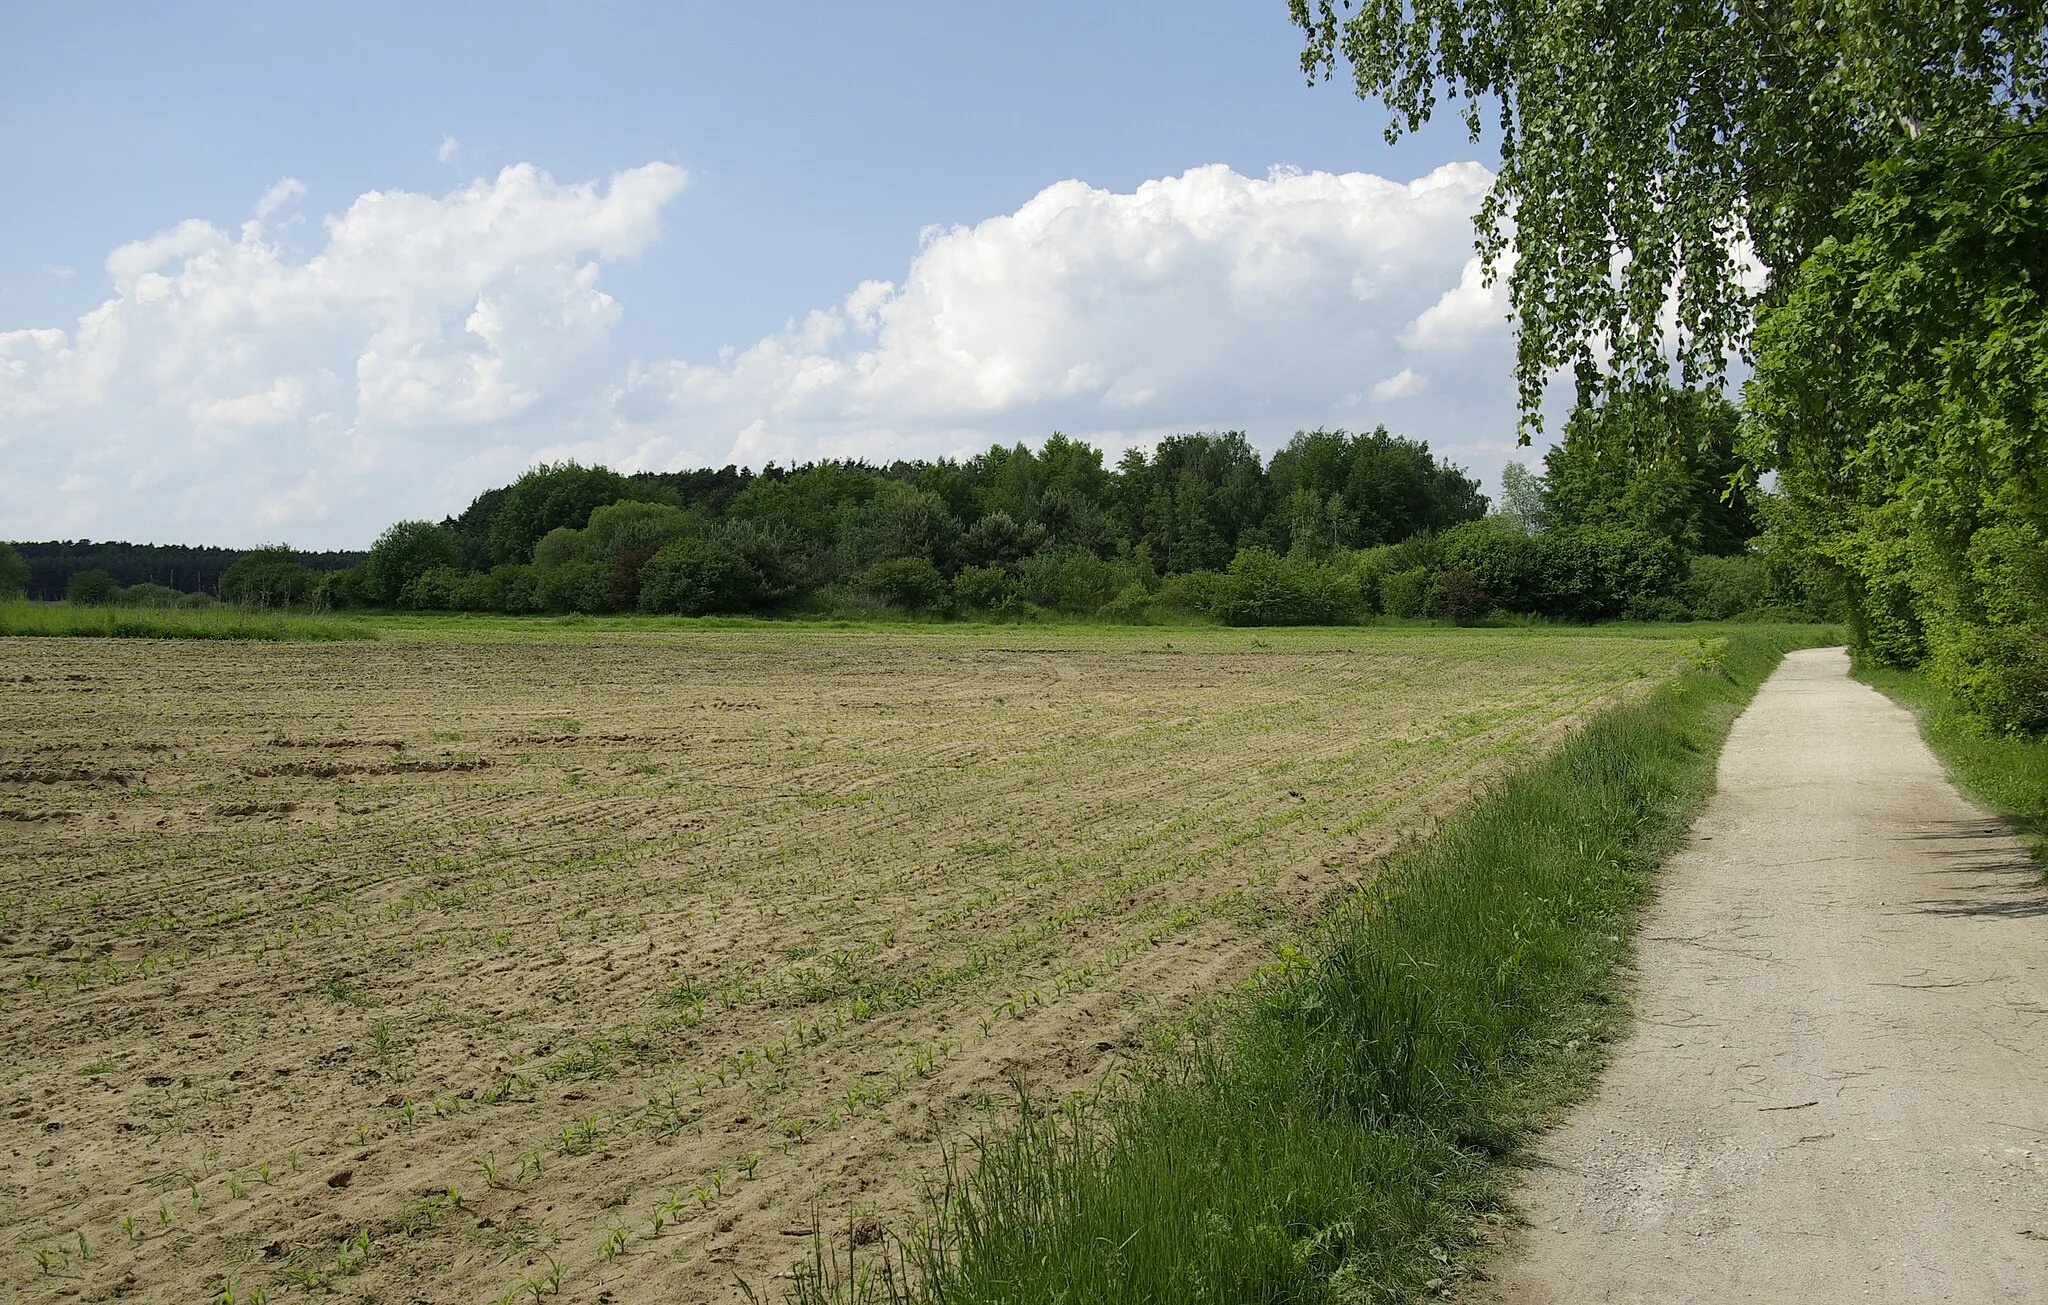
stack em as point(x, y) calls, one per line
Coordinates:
point(70, 620)
point(1346, 1134)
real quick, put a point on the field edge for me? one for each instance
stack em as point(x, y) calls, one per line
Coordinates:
point(1353, 1130)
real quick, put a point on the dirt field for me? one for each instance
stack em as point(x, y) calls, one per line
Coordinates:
point(448, 969)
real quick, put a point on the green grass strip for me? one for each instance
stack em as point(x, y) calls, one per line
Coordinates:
point(2004, 773)
point(1347, 1132)
point(67, 620)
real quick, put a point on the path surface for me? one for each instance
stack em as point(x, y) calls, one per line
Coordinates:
point(1837, 1084)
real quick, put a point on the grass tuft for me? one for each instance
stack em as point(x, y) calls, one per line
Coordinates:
point(1346, 1135)
point(67, 620)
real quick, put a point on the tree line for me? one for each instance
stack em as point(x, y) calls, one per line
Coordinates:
point(1334, 527)
point(158, 574)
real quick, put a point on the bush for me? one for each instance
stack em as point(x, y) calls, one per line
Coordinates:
point(1070, 580)
point(1598, 573)
point(1405, 593)
point(544, 499)
point(435, 590)
point(404, 553)
point(89, 588)
point(13, 573)
point(1267, 589)
point(148, 595)
point(1459, 595)
point(584, 587)
point(1499, 566)
point(2000, 675)
point(267, 577)
point(1723, 588)
point(911, 583)
point(1195, 593)
point(343, 588)
point(983, 589)
point(691, 577)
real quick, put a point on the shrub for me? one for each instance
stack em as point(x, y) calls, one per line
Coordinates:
point(1195, 593)
point(1070, 579)
point(1459, 595)
point(1597, 573)
point(1267, 589)
point(1499, 566)
point(691, 577)
point(546, 498)
point(148, 595)
point(911, 583)
point(404, 553)
point(575, 587)
point(2000, 675)
point(89, 587)
point(1722, 588)
point(343, 588)
point(435, 590)
point(267, 577)
point(983, 589)
point(1405, 593)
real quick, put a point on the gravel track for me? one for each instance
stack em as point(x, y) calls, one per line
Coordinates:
point(1836, 1088)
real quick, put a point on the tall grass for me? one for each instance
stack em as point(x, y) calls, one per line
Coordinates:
point(1346, 1134)
point(74, 621)
point(2007, 773)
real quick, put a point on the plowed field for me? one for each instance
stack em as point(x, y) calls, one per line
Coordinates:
point(455, 969)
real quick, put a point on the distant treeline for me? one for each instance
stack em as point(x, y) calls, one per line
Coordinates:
point(1335, 527)
point(184, 568)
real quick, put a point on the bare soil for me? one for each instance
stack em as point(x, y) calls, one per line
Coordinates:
point(1837, 1084)
point(466, 969)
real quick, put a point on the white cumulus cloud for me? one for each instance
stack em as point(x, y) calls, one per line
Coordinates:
point(227, 392)
point(435, 345)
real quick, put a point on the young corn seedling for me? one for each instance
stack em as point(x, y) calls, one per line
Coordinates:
point(615, 1243)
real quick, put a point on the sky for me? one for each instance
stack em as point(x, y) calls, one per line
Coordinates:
point(288, 273)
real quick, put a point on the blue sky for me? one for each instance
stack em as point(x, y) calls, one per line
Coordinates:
point(310, 380)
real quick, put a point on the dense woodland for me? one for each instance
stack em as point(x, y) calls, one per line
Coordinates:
point(1335, 527)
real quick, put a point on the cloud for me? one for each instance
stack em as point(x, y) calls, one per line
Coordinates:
point(1205, 300)
point(226, 392)
point(1403, 384)
point(435, 345)
point(447, 150)
point(289, 191)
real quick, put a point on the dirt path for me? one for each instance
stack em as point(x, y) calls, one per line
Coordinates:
point(1837, 1085)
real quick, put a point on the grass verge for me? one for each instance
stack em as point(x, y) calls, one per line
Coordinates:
point(73, 621)
point(1345, 1134)
point(2006, 774)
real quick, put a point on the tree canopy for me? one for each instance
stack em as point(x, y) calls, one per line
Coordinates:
point(1647, 147)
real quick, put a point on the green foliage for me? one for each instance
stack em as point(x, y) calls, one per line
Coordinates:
point(1643, 145)
point(89, 588)
point(1338, 1136)
point(983, 589)
point(584, 587)
point(1723, 588)
point(268, 577)
point(13, 573)
point(549, 497)
point(1405, 593)
point(1071, 579)
point(401, 555)
point(1999, 675)
point(1662, 461)
point(1267, 589)
point(691, 577)
point(910, 583)
point(1899, 395)
point(1343, 491)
